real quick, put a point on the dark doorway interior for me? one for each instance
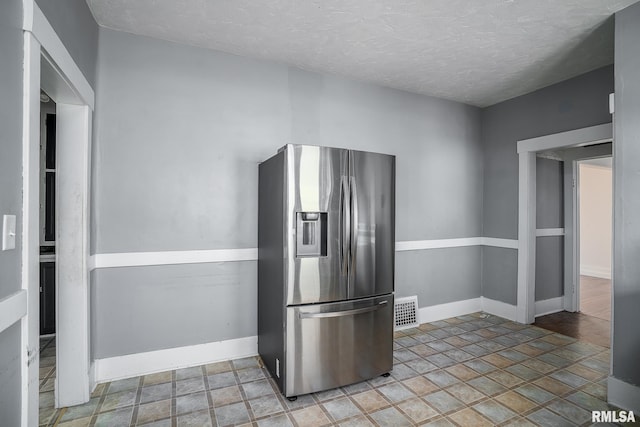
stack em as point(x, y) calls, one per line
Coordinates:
point(48, 220)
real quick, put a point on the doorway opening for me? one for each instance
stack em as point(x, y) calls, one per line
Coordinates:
point(570, 147)
point(587, 246)
point(47, 238)
point(594, 188)
point(579, 144)
point(49, 67)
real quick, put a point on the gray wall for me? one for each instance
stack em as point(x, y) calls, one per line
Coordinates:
point(626, 203)
point(572, 104)
point(11, 136)
point(549, 193)
point(439, 276)
point(73, 22)
point(141, 309)
point(549, 214)
point(10, 197)
point(10, 378)
point(179, 134)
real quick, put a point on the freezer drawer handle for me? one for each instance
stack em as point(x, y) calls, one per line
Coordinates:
point(342, 313)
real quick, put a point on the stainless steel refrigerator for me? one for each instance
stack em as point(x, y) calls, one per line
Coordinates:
point(326, 250)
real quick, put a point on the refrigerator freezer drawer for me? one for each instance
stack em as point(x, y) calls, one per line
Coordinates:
point(336, 344)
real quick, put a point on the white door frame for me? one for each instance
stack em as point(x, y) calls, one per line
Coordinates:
point(527, 149)
point(571, 299)
point(48, 65)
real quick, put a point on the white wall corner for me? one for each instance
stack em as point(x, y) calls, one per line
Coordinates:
point(133, 365)
point(623, 395)
point(499, 308)
point(549, 306)
point(445, 311)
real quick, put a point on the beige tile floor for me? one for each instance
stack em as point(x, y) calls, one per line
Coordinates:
point(474, 370)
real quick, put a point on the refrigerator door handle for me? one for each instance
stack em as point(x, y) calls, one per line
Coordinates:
point(345, 228)
point(353, 237)
point(343, 313)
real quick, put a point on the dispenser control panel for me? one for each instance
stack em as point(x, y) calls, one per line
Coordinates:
point(311, 234)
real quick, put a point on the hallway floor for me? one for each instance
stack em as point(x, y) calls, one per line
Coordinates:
point(477, 369)
point(592, 323)
point(579, 326)
point(595, 297)
point(47, 376)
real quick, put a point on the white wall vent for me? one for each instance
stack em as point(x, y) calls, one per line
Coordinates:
point(406, 313)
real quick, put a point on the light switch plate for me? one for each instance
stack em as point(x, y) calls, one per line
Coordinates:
point(8, 232)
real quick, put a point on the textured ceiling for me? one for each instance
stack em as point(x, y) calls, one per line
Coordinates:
point(475, 51)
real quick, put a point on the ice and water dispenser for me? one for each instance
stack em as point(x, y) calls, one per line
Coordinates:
point(311, 234)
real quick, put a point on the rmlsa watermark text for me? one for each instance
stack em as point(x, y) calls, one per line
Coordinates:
point(612, 417)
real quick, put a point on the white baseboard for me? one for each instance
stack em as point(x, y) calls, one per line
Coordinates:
point(548, 306)
point(133, 365)
point(623, 395)
point(444, 311)
point(460, 308)
point(499, 308)
point(595, 271)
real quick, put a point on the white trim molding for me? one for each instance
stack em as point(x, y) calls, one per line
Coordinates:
point(416, 245)
point(49, 66)
point(12, 309)
point(527, 232)
point(133, 365)
point(136, 259)
point(549, 306)
point(57, 55)
point(500, 243)
point(549, 232)
point(526, 237)
point(612, 103)
point(623, 395)
point(139, 259)
point(573, 138)
point(30, 226)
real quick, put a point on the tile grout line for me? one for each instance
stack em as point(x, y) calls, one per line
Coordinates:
point(207, 388)
point(173, 412)
point(136, 402)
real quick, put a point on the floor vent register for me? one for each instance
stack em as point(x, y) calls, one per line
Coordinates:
point(406, 313)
